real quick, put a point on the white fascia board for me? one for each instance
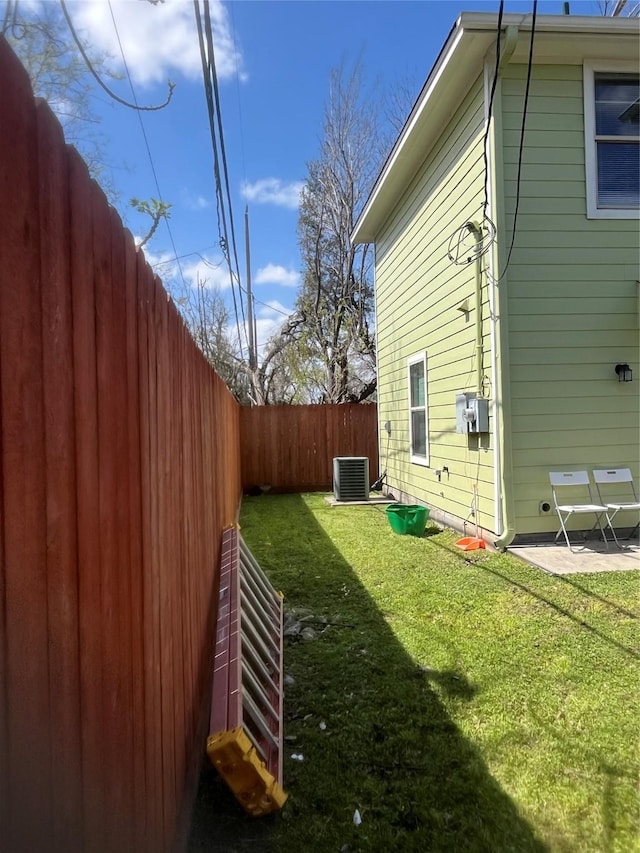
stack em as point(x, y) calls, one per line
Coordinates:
point(460, 63)
point(563, 24)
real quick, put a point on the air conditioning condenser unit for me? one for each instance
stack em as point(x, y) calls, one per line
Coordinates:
point(351, 478)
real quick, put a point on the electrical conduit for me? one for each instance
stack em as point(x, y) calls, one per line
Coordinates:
point(501, 409)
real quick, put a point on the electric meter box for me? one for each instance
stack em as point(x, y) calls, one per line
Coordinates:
point(472, 414)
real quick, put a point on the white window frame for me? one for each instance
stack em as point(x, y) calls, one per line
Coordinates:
point(418, 359)
point(589, 70)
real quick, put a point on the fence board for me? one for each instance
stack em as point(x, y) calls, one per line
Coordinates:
point(60, 479)
point(291, 448)
point(26, 687)
point(148, 469)
point(135, 559)
point(88, 531)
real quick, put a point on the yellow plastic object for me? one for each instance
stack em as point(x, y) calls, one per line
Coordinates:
point(236, 760)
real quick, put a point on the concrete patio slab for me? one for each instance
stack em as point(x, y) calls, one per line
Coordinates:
point(594, 557)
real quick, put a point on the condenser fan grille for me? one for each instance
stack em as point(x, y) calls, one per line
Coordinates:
point(351, 478)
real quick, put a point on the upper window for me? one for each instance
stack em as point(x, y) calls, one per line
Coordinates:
point(418, 417)
point(612, 128)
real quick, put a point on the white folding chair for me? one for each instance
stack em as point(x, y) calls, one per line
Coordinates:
point(617, 491)
point(578, 482)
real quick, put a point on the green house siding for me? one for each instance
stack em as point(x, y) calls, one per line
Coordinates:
point(572, 300)
point(418, 295)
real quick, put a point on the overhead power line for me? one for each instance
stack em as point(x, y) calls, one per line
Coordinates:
point(223, 196)
point(101, 83)
point(525, 107)
point(146, 142)
point(457, 251)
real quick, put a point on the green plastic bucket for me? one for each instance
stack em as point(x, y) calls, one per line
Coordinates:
point(408, 518)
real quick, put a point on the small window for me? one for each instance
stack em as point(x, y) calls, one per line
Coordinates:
point(612, 128)
point(418, 417)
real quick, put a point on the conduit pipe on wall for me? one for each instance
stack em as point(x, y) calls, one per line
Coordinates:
point(501, 410)
point(476, 230)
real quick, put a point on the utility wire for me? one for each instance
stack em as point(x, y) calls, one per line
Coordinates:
point(494, 83)
point(10, 22)
point(216, 93)
point(215, 266)
point(235, 50)
point(146, 142)
point(457, 250)
point(208, 68)
point(243, 158)
point(181, 257)
point(266, 304)
point(525, 106)
point(214, 76)
point(80, 46)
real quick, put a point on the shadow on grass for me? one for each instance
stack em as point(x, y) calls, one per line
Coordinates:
point(578, 620)
point(630, 614)
point(586, 626)
point(369, 723)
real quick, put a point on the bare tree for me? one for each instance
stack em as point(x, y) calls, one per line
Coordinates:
point(615, 8)
point(401, 97)
point(329, 340)
point(59, 75)
point(207, 318)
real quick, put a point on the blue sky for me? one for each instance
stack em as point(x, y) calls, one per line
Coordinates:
point(273, 60)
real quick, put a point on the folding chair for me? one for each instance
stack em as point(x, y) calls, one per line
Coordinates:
point(618, 500)
point(565, 479)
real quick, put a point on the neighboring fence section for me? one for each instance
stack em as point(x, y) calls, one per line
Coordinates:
point(291, 448)
point(120, 467)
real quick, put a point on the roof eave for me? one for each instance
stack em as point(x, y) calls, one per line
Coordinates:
point(458, 65)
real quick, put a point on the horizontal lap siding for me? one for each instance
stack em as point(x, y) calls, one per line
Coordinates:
point(573, 300)
point(418, 292)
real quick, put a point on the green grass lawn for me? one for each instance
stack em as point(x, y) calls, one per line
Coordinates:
point(459, 701)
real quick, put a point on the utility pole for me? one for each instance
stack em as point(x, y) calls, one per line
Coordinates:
point(253, 361)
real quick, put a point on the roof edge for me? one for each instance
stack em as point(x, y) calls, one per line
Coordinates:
point(472, 35)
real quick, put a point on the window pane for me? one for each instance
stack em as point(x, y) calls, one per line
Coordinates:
point(618, 174)
point(416, 375)
point(419, 433)
point(617, 107)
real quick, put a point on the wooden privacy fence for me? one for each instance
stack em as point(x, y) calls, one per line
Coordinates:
point(291, 448)
point(120, 468)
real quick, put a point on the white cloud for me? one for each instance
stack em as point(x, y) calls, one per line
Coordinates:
point(266, 327)
point(195, 202)
point(158, 40)
point(273, 191)
point(161, 262)
point(269, 317)
point(211, 273)
point(276, 274)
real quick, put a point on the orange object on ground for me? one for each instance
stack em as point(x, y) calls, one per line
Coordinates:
point(471, 543)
